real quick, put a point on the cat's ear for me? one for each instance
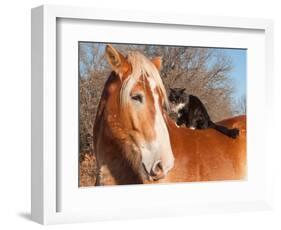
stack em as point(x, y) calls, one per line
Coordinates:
point(171, 89)
point(182, 90)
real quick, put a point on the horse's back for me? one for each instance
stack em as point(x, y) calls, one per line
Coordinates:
point(207, 155)
point(238, 122)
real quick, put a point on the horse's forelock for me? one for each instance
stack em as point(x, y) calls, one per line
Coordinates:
point(142, 68)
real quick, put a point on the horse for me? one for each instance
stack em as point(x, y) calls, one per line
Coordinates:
point(136, 142)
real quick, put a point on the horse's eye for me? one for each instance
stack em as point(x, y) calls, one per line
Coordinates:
point(137, 97)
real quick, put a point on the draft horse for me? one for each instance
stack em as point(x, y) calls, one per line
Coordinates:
point(136, 142)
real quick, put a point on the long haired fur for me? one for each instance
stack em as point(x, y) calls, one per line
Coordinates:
point(142, 68)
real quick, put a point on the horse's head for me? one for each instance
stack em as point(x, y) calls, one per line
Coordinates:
point(132, 107)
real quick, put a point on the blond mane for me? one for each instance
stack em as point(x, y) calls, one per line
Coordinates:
point(142, 68)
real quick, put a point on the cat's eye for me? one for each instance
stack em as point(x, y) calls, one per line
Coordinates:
point(137, 97)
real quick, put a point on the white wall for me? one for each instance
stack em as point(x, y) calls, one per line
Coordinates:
point(15, 113)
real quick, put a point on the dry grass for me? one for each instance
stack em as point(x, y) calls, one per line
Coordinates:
point(87, 170)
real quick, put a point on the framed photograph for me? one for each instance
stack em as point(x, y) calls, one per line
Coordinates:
point(141, 114)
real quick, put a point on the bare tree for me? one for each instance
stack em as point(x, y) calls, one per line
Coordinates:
point(241, 105)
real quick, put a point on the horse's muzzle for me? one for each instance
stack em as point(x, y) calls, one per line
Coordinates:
point(156, 172)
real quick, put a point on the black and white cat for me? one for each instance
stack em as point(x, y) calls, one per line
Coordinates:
point(192, 113)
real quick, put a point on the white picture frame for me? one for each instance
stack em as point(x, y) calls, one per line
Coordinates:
point(45, 164)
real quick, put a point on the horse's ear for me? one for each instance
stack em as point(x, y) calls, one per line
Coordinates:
point(157, 61)
point(117, 61)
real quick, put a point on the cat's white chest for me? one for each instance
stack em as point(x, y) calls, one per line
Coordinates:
point(178, 107)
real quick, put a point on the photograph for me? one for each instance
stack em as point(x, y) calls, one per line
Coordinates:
point(147, 111)
point(152, 114)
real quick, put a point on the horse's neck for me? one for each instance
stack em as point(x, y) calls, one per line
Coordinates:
point(174, 130)
point(117, 171)
point(112, 165)
point(179, 135)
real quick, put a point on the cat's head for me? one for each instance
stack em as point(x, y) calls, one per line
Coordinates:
point(177, 95)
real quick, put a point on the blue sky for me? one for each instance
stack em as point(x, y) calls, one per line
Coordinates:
point(239, 71)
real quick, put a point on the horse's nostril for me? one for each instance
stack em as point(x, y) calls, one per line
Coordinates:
point(157, 169)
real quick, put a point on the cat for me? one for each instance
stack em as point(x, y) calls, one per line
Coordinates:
point(192, 113)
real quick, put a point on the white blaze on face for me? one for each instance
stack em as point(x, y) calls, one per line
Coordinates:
point(160, 148)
